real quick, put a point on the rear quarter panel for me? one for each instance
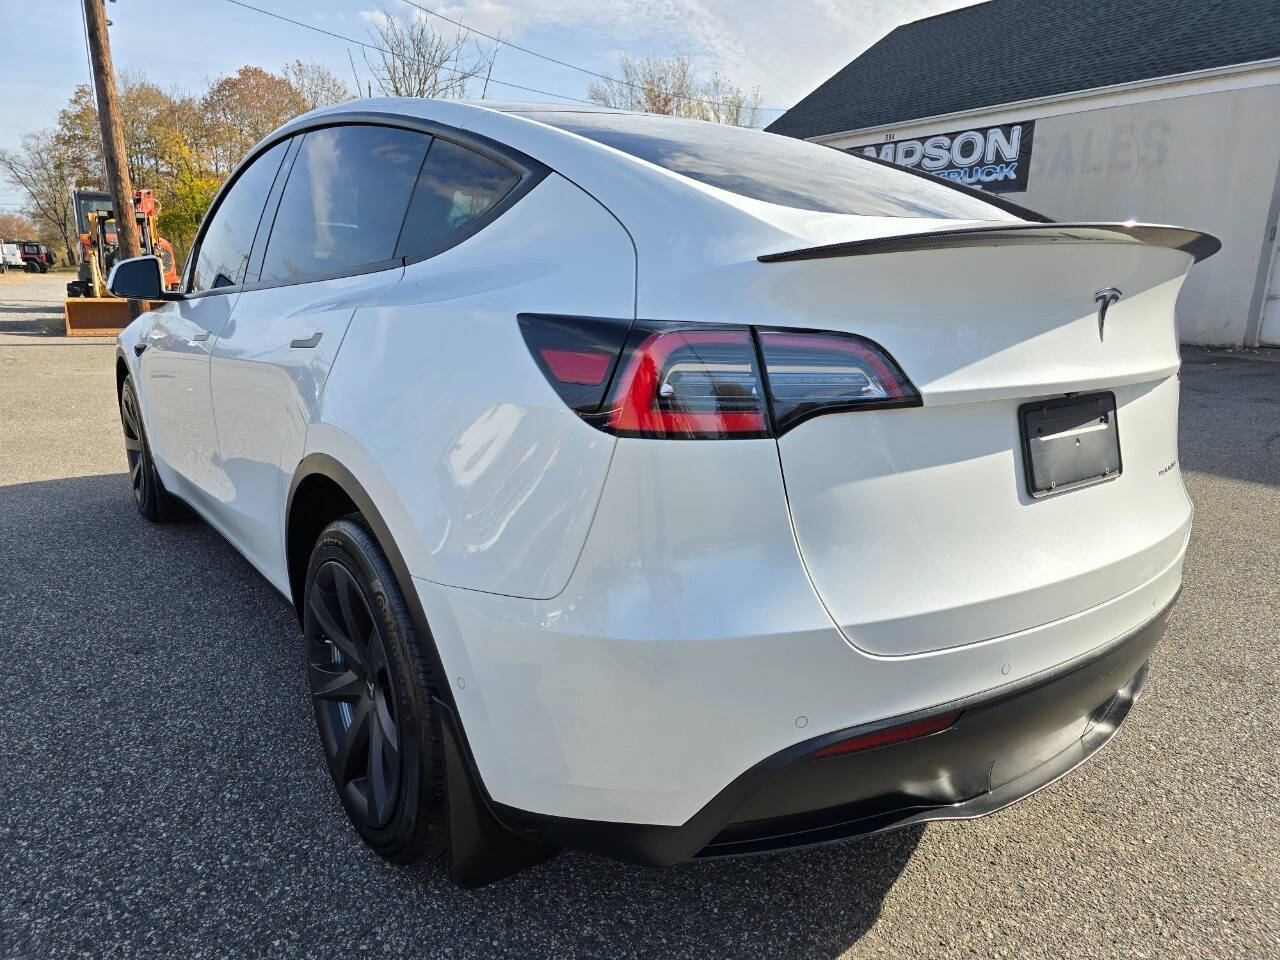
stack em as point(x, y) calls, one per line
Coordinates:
point(486, 478)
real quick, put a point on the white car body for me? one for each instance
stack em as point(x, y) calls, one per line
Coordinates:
point(628, 625)
point(11, 256)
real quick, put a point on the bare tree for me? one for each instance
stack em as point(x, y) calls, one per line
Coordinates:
point(670, 86)
point(663, 85)
point(411, 59)
point(725, 102)
point(316, 84)
point(42, 169)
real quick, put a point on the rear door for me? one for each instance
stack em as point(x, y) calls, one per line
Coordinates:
point(331, 248)
point(174, 363)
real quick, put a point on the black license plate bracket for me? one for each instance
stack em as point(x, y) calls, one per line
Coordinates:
point(1069, 443)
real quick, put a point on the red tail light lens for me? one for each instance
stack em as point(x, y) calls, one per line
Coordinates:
point(881, 738)
point(811, 373)
point(688, 383)
point(708, 381)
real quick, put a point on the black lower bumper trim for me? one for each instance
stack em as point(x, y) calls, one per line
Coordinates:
point(1007, 744)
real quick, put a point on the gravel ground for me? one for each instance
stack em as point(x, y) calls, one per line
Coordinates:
point(32, 302)
point(164, 792)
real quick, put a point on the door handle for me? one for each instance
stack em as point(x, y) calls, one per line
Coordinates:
point(310, 341)
point(200, 337)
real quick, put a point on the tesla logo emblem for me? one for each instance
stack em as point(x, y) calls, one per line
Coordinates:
point(1104, 298)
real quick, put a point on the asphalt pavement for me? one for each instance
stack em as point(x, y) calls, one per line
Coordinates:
point(163, 792)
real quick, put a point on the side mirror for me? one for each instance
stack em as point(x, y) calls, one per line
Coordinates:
point(138, 278)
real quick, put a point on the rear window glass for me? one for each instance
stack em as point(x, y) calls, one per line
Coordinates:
point(345, 200)
point(774, 168)
point(456, 188)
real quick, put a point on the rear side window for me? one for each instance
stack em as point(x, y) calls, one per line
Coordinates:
point(457, 187)
point(773, 168)
point(345, 201)
point(224, 249)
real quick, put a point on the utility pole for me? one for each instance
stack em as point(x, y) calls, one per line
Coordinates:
point(104, 82)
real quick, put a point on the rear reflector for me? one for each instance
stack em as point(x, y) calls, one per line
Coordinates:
point(577, 366)
point(881, 738)
point(577, 355)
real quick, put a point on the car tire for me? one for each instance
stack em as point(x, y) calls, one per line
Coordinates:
point(154, 502)
point(373, 690)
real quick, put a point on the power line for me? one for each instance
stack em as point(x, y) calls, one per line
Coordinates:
point(571, 66)
point(392, 53)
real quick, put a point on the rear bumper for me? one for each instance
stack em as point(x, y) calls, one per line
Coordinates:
point(1006, 744)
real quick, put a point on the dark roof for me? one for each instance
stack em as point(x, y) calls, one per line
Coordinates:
point(1008, 50)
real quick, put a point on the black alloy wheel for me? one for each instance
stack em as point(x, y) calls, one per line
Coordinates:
point(139, 473)
point(355, 699)
point(153, 501)
point(373, 687)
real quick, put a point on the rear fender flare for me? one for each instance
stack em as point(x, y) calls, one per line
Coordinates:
point(482, 848)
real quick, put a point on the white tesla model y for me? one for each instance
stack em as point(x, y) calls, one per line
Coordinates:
point(669, 490)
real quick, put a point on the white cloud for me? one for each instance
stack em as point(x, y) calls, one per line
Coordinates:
point(785, 48)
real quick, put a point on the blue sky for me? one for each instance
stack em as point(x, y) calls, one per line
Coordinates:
point(785, 48)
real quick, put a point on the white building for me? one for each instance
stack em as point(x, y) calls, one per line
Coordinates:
point(1166, 111)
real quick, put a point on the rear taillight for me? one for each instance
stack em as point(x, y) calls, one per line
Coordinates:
point(709, 381)
point(811, 373)
point(688, 382)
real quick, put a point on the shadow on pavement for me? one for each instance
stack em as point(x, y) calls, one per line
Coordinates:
point(1229, 422)
point(47, 327)
point(165, 794)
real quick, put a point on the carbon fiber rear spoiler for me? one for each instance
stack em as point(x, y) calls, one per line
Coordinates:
point(1198, 244)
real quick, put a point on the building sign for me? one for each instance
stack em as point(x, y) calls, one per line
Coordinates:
point(990, 158)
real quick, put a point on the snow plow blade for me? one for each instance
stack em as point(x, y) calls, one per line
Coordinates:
point(98, 316)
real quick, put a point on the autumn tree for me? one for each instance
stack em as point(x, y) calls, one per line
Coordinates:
point(410, 59)
point(242, 109)
point(179, 145)
point(14, 226)
point(671, 86)
point(79, 138)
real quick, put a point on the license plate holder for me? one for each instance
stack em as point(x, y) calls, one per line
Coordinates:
point(1069, 443)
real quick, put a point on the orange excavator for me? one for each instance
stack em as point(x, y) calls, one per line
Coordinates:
point(90, 308)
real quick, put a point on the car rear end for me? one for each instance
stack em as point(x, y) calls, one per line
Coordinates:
point(891, 527)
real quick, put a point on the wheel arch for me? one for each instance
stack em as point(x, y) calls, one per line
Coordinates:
point(322, 490)
point(482, 847)
point(122, 371)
